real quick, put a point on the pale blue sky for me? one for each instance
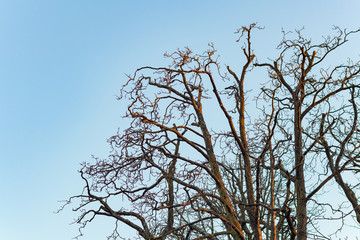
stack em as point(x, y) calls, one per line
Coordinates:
point(62, 64)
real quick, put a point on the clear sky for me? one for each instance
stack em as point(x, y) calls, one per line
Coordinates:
point(62, 63)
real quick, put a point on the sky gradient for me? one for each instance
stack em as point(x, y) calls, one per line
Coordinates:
point(62, 64)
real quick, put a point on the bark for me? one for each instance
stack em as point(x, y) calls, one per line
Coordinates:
point(273, 229)
point(300, 190)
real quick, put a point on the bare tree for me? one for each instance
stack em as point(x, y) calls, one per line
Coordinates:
point(195, 164)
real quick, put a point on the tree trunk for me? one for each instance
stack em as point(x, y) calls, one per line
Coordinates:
point(301, 215)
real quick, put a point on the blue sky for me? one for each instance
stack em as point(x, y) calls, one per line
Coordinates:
point(62, 64)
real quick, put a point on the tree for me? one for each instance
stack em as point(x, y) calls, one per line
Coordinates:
point(194, 164)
